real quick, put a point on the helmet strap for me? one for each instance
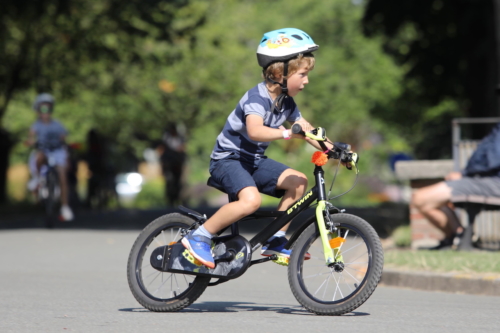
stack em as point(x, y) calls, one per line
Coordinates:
point(278, 102)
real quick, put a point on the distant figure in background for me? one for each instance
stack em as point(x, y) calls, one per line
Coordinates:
point(172, 160)
point(48, 137)
point(481, 177)
point(101, 186)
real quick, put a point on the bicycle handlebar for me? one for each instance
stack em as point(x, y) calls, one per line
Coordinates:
point(340, 150)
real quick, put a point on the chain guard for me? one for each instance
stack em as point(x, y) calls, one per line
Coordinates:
point(232, 257)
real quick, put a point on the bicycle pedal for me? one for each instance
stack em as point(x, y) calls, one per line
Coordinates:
point(189, 257)
point(283, 261)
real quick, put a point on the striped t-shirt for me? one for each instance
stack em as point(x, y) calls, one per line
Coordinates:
point(234, 135)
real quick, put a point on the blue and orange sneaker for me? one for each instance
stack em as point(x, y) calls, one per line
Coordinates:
point(200, 248)
point(277, 246)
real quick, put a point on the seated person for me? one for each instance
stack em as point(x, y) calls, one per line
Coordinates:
point(481, 177)
point(48, 135)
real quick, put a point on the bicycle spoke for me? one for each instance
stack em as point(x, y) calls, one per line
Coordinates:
point(354, 278)
point(337, 287)
point(161, 285)
point(316, 275)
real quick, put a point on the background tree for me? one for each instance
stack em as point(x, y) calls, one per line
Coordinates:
point(130, 72)
point(448, 50)
point(69, 46)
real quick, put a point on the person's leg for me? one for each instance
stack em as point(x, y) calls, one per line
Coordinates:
point(276, 179)
point(63, 183)
point(294, 183)
point(248, 202)
point(432, 203)
point(61, 159)
point(40, 159)
point(35, 162)
point(198, 242)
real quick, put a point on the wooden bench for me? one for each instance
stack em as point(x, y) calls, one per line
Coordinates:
point(479, 215)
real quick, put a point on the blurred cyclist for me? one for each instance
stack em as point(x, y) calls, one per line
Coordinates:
point(49, 136)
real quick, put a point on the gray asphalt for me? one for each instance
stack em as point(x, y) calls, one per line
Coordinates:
point(75, 281)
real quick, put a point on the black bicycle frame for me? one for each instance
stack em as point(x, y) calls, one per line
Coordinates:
point(317, 192)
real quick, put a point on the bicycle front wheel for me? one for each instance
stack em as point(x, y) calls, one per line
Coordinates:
point(341, 287)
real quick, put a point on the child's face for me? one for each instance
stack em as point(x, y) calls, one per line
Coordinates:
point(298, 80)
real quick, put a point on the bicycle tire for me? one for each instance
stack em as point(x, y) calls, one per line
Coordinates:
point(356, 279)
point(51, 201)
point(143, 278)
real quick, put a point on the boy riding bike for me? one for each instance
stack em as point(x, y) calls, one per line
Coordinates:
point(48, 136)
point(238, 164)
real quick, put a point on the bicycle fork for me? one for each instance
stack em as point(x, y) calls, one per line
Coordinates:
point(331, 248)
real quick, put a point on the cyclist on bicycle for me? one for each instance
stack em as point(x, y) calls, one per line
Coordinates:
point(238, 164)
point(48, 137)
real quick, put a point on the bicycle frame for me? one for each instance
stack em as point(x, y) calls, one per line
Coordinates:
point(317, 192)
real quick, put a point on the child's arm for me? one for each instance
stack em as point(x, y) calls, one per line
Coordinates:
point(306, 127)
point(258, 132)
point(31, 138)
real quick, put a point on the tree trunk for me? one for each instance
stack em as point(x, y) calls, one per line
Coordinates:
point(6, 143)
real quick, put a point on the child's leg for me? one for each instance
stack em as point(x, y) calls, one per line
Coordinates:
point(248, 202)
point(295, 185)
point(198, 242)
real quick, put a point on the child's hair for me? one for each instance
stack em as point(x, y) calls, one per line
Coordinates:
point(275, 70)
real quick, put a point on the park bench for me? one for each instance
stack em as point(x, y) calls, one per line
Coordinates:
point(479, 215)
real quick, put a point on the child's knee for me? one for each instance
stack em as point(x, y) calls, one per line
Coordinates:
point(300, 182)
point(249, 202)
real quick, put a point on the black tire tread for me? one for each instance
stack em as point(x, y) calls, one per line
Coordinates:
point(199, 284)
point(363, 293)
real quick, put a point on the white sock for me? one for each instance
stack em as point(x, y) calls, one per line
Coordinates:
point(201, 231)
point(278, 234)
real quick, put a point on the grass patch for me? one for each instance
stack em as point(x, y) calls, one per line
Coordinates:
point(402, 236)
point(443, 261)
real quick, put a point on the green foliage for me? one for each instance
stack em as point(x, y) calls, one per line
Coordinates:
point(402, 236)
point(432, 40)
point(119, 68)
point(151, 195)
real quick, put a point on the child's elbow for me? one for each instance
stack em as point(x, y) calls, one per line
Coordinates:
point(252, 135)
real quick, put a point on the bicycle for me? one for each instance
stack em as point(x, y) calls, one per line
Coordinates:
point(342, 250)
point(48, 190)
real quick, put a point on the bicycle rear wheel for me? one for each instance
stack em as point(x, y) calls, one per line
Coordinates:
point(156, 290)
point(51, 200)
point(344, 286)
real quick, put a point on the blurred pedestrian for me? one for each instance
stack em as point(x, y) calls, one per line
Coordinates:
point(481, 177)
point(172, 160)
point(101, 185)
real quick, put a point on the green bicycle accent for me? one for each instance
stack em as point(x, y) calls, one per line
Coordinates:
point(283, 261)
point(318, 134)
point(331, 255)
point(190, 258)
point(327, 250)
point(354, 161)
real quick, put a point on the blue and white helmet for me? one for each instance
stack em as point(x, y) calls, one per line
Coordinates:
point(282, 45)
point(42, 99)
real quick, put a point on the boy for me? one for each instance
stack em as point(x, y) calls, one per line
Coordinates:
point(238, 162)
point(49, 136)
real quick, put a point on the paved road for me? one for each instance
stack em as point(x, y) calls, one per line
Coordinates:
point(75, 281)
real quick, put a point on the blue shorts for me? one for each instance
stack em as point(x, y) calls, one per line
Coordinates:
point(233, 173)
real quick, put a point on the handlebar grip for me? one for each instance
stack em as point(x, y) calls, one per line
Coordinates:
point(297, 129)
point(343, 146)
